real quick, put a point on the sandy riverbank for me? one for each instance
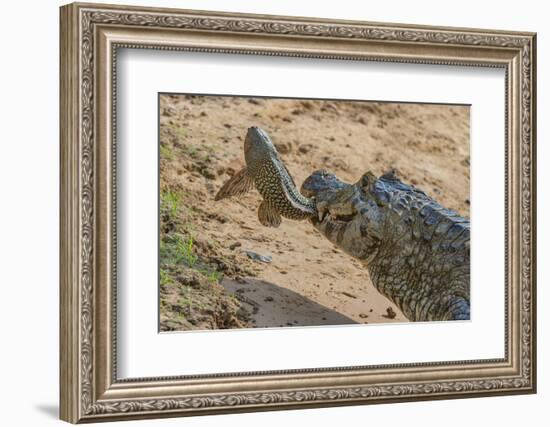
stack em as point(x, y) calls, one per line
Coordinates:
point(207, 279)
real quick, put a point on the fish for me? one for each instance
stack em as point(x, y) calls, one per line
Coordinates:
point(266, 172)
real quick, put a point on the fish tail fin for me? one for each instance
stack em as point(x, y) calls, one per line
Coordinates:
point(238, 184)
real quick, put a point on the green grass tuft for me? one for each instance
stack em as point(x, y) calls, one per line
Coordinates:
point(214, 276)
point(185, 251)
point(165, 278)
point(170, 202)
point(166, 152)
point(175, 250)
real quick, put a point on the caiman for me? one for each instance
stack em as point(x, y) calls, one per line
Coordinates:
point(416, 251)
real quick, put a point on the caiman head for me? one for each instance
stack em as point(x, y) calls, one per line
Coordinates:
point(349, 215)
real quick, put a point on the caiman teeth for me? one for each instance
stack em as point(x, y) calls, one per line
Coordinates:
point(322, 210)
point(324, 214)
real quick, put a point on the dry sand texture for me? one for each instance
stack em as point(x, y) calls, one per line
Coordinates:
point(207, 279)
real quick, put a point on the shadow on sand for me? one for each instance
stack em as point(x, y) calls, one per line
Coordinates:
point(271, 305)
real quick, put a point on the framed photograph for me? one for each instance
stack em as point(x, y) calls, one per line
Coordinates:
point(266, 212)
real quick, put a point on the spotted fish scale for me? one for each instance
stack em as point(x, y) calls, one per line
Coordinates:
point(277, 187)
point(267, 173)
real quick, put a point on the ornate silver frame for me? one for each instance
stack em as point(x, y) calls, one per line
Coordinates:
point(90, 36)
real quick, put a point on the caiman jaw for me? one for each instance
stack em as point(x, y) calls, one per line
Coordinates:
point(324, 187)
point(324, 211)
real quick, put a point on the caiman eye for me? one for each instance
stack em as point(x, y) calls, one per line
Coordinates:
point(367, 180)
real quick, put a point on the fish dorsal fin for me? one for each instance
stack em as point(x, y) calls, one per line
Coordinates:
point(268, 216)
point(238, 184)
